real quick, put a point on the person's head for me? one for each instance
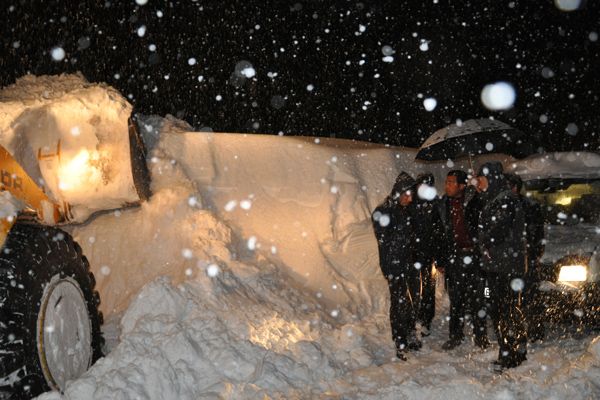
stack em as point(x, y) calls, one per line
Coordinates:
point(490, 175)
point(404, 188)
point(456, 181)
point(515, 182)
point(406, 198)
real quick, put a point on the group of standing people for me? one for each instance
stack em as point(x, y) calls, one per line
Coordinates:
point(486, 238)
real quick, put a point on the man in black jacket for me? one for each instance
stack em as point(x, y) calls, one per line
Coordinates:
point(534, 233)
point(502, 247)
point(392, 223)
point(427, 228)
point(465, 281)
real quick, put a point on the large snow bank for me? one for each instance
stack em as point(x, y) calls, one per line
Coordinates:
point(72, 138)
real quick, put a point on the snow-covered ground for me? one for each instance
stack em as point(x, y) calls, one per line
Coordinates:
point(252, 272)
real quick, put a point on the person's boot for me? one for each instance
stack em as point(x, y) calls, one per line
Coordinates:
point(401, 354)
point(425, 330)
point(451, 343)
point(536, 333)
point(415, 345)
point(482, 342)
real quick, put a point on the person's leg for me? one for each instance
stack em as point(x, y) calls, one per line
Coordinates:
point(456, 290)
point(395, 318)
point(427, 311)
point(410, 313)
point(513, 343)
point(533, 306)
point(493, 304)
point(478, 308)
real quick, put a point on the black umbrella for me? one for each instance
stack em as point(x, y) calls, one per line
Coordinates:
point(474, 137)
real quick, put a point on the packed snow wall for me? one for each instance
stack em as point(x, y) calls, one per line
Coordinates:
point(72, 138)
point(302, 203)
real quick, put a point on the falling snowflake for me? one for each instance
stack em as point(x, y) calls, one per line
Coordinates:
point(387, 50)
point(427, 192)
point(105, 270)
point(567, 5)
point(212, 270)
point(248, 72)
point(187, 254)
point(245, 204)
point(430, 103)
point(252, 243)
point(517, 284)
point(57, 53)
point(498, 96)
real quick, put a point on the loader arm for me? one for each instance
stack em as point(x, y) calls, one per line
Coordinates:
point(15, 180)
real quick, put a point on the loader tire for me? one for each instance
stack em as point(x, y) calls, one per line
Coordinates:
point(49, 318)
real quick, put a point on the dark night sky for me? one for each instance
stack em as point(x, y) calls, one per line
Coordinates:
point(550, 56)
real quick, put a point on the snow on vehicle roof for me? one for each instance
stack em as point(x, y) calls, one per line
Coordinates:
point(565, 165)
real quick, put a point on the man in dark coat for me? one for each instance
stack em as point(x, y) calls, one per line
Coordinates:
point(427, 228)
point(459, 210)
point(503, 257)
point(393, 226)
point(534, 233)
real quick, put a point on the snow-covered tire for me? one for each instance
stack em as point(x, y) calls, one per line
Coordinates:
point(43, 278)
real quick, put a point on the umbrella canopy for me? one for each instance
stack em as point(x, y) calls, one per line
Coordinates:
point(474, 137)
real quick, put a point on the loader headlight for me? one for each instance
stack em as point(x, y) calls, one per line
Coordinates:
point(573, 273)
point(79, 172)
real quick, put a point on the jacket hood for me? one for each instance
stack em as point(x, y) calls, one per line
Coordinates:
point(494, 172)
point(403, 183)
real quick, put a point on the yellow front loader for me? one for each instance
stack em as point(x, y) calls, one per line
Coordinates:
point(49, 319)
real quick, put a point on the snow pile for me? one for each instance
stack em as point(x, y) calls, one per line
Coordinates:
point(71, 137)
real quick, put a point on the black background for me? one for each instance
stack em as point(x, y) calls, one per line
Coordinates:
point(471, 44)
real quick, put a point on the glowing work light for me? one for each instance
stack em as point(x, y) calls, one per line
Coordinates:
point(572, 273)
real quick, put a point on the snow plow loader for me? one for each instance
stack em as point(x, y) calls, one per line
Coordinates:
point(50, 324)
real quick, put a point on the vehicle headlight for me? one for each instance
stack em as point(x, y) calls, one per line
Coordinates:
point(573, 273)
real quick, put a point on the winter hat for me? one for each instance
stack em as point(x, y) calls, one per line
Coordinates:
point(514, 181)
point(403, 183)
point(426, 178)
point(494, 172)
